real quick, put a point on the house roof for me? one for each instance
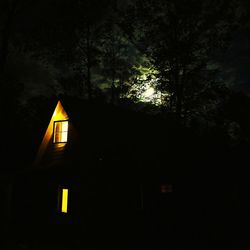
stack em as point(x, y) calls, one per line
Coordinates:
point(109, 132)
point(121, 138)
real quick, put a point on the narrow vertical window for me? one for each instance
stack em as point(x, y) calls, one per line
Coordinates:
point(64, 200)
point(60, 131)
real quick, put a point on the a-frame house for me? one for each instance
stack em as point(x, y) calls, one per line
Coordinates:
point(93, 175)
point(55, 137)
point(104, 177)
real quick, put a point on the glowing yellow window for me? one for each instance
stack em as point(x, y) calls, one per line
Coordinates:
point(63, 206)
point(60, 131)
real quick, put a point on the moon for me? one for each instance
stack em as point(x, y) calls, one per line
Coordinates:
point(149, 92)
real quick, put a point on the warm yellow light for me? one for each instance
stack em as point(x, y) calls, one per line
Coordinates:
point(64, 208)
point(58, 115)
point(60, 131)
point(64, 137)
point(64, 134)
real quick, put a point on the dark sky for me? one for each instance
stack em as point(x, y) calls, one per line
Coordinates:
point(236, 62)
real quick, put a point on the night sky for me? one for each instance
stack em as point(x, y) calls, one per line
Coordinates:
point(237, 61)
point(41, 78)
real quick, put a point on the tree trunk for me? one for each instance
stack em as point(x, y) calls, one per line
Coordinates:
point(179, 91)
point(89, 85)
point(179, 99)
point(113, 94)
point(4, 50)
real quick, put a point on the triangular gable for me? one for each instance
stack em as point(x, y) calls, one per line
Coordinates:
point(59, 114)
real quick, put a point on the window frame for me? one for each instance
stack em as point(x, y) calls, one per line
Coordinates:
point(166, 188)
point(54, 130)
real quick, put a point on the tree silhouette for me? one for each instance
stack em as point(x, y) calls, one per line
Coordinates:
point(182, 38)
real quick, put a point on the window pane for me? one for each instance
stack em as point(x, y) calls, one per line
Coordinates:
point(64, 208)
point(64, 137)
point(64, 126)
point(60, 131)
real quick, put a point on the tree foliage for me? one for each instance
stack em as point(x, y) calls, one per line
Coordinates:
point(182, 39)
point(118, 52)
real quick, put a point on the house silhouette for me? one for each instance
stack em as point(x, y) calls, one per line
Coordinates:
point(100, 172)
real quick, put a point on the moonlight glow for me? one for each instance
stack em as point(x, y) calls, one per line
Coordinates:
point(149, 92)
point(145, 86)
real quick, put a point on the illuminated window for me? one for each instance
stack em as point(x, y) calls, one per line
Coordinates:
point(63, 200)
point(60, 132)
